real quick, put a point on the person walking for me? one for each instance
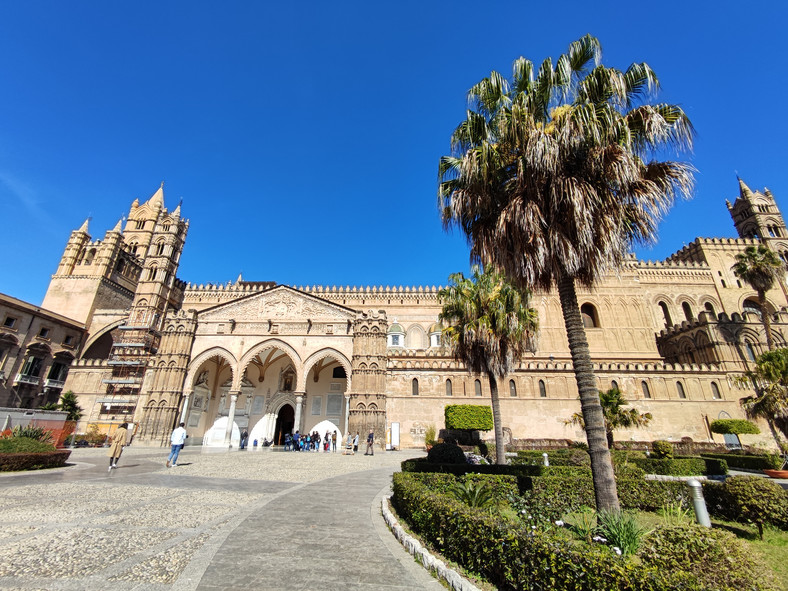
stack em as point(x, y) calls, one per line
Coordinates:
point(244, 438)
point(370, 444)
point(177, 439)
point(355, 443)
point(116, 448)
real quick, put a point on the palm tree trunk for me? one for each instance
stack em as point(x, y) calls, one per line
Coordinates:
point(500, 447)
point(610, 440)
point(601, 464)
point(766, 319)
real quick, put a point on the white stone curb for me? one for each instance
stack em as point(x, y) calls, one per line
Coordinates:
point(437, 567)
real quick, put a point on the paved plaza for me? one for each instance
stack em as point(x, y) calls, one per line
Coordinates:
point(254, 520)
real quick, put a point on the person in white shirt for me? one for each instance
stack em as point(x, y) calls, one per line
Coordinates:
point(177, 439)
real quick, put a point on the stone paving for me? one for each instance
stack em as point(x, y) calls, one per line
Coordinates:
point(218, 521)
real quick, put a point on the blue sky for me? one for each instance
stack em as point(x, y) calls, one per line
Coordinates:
point(304, 138)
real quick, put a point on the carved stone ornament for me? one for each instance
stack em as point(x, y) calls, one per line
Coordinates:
point(280, 303)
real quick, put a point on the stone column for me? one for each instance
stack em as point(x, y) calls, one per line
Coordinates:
point(231, 418)
point(299, 405)
point(347, 411)
point(185, 411)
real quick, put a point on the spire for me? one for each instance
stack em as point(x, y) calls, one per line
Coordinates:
point(135, 204)
point(84, 227)
point(157, 200)
point(744, 190)
point(240, 278)
point(117, 227)
point(176, 213)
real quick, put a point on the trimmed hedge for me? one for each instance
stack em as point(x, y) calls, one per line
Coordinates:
point(734, 426)
point(764, 462)
point(554, 496)
point(682, 466)
point(556, 457)
point(472, 417)
point(10, 462)
point(501, 486)
point(511, 555)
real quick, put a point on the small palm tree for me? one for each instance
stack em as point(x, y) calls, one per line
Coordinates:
point(770, 402)
point(553, 176)
point(616, 415)
point(761, 268)
point(68, 403)
point(489, 326)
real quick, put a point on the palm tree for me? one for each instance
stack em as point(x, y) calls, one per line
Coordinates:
point(551, 179)
point(770, 402)
point(616, 416)
point(489, 326)
point(761, 268)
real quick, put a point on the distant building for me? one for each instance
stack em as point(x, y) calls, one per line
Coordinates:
point(272, 359)
point(37, 347)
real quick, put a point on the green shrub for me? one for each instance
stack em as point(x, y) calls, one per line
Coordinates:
point(16, 461)
point(672, 466)
point(446, 453)
point(473, 417)
point(662, 449)
point(9, 445)
point(757, 500)
point(734, 427)
point(554, 496)
point(557, 457)
point(474, 494)
point(513, 555)
point(715, 557)
point(32, 432)
point(429, 435)
point(749, 462)
point(621, 530)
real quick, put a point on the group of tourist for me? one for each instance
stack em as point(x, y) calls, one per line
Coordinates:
point(311, 441)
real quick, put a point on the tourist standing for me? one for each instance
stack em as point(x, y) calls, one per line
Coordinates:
point(334, 442)
point(370, 443)
point(349, 444)
point(244, 438)
point(177, 441)
point(355, 443)
point(116, 448)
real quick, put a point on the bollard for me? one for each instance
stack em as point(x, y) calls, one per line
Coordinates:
point(546, 460)
point(701, 513)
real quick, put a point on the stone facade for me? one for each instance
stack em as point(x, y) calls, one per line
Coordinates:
point(270, 358)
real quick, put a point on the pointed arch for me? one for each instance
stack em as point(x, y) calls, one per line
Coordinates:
point(197, 362)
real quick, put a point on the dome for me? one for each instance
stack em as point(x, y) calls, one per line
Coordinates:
point(436, 327)
point(396, 328)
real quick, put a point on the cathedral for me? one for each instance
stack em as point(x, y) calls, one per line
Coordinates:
point(272, 359)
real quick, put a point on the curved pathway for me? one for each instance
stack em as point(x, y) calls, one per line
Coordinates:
point(227, 521)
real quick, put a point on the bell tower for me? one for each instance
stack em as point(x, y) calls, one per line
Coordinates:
point(756, 215)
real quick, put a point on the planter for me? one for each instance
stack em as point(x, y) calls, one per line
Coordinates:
point(776, 473)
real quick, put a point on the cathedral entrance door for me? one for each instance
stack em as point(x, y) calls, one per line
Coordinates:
point(284, 424)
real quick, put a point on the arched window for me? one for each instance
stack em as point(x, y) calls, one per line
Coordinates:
point(414, 387)
point(512, 388)
point(646, 391)
point(90, 256)
point(152, 273)
point(687, 311)
point(715, 392)
point(590, 316)
point(710, 309)
point(749, 350)
point(614, 384)
point(542, 389)
point(448, 388)
point(140, 224)
point(752, 306)
point(477, 387)
point(160, 248)
point(680, 390)
point(665, 313)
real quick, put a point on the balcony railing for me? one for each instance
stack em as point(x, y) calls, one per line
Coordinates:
point(25, 379)
point(54, 383)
